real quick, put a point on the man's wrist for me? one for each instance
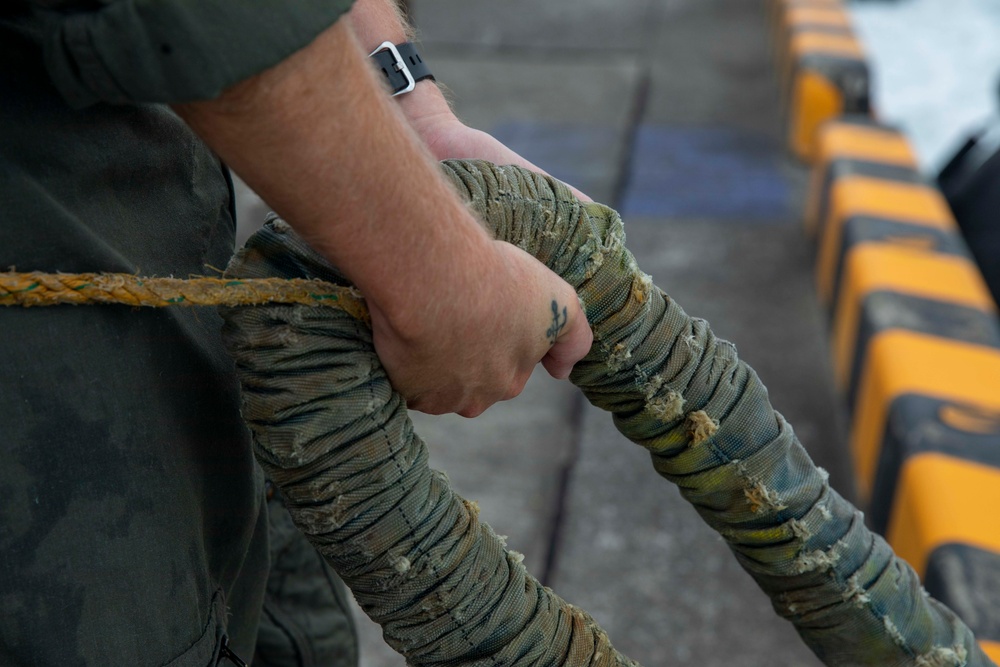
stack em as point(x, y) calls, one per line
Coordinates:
point(424, 103)
point(377, 21)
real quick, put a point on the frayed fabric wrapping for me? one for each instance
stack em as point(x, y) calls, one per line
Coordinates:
point(329, 430)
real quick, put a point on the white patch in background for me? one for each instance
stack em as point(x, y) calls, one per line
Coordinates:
point(936, 69)
point(251, 211)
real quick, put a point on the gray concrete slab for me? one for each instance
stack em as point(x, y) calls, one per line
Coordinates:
point(710, 64)
point(509, 93)
point(581, 25)
point(491, 88)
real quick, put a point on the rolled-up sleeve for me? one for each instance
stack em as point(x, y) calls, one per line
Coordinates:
point(171, 51)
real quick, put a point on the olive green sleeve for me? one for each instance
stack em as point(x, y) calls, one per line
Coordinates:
point(170, 51)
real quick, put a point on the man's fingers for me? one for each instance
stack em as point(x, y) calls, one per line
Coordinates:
point(517, 385)
point(572, 346)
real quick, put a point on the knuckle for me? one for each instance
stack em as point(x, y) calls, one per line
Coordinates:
point(473, 411)
point(517, 386)
point(426, 405)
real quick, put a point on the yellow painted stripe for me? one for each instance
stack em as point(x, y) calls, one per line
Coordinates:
point(847, 141)
point(871, 267)
point(992, 650)
point(815, 101)
point(944, 500)
point(808, 18)
point(807, 42)
point(863, 142)
point(783, 5)
point(863, 196)
point(821, 15)
point(905, 362)
point(779, 6)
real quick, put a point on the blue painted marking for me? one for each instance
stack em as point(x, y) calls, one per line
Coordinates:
point(582, 155)
point(706, 172)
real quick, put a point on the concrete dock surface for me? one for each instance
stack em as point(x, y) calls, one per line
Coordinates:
point(667, 110)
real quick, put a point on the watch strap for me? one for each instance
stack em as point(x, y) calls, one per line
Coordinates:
point(401, 65)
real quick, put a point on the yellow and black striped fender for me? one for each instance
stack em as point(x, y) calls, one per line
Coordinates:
point(825, 75)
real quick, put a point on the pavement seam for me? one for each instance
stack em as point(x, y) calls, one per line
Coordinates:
point(557, 527)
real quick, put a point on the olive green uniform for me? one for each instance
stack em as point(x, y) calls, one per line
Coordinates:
point(133, 526)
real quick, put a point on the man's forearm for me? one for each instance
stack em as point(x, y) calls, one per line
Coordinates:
point(318, 138)
point(377, 21)
point(458, 320)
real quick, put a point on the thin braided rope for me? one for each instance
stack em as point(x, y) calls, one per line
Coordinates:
point(51, 289)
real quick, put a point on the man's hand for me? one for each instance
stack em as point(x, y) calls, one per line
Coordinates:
point(512, 313)
point(460, 318)
point(449, 138)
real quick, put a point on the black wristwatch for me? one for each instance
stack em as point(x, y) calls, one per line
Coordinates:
point(401, 65)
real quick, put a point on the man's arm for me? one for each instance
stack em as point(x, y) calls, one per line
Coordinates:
point(459, 319)
point(425, 108)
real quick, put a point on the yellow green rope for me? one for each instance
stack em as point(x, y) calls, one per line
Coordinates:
point(50, 289)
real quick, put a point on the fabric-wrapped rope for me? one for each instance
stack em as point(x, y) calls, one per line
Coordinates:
point(329, 430)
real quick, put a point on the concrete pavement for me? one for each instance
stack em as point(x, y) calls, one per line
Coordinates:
point(666, 109)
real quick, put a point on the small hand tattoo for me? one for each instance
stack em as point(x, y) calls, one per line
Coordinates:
point(558, 323)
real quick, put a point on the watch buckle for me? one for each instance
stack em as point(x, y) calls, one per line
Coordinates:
point(399, 66)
